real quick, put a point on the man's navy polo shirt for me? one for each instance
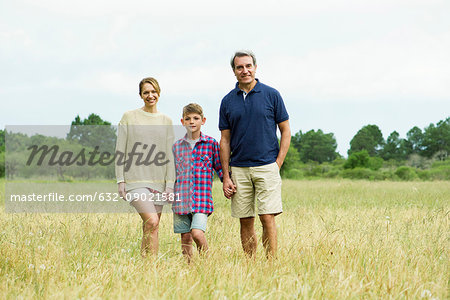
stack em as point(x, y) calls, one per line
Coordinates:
point(253, 124)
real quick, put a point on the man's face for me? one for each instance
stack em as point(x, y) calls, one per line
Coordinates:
point(244, 69)
point(193, 122)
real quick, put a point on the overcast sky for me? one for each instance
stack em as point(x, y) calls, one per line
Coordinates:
point(339, 65)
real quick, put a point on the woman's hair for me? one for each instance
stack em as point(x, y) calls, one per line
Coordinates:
point(152, 81)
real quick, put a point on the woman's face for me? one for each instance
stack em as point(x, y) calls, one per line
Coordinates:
point(149, 95)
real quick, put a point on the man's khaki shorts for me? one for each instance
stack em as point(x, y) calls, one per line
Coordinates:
point(261, 185)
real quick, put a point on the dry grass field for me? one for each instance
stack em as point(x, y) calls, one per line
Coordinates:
point(338, 239)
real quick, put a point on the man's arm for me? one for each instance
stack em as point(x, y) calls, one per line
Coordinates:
point(225, 151)
point(285, 141)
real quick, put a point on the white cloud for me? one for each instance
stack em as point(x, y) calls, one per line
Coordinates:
point(402, 65)
point(198, 80)
point(113, 82)
point(17, 37)
point(64, 58)
point(235, 8)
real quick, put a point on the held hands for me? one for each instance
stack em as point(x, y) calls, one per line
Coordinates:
point(170, 196)
point(229, 188)
point(168, 190)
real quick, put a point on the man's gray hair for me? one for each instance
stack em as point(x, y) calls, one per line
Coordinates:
point(242, 53)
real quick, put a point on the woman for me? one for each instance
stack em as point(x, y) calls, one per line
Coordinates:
point(146, 168)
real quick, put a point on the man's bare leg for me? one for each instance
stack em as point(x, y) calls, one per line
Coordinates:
point(248, 236)
point(269, 237)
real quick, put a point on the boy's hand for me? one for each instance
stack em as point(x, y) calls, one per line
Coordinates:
point(168, 190)
point(229, 188)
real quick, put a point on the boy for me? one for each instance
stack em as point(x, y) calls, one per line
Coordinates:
point(196, 157)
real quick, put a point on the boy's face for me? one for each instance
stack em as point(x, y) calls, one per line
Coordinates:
point(193, 122)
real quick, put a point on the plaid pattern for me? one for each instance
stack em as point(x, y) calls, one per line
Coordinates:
point(195, 170)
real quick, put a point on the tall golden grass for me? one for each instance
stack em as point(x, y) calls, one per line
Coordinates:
point(337, 240)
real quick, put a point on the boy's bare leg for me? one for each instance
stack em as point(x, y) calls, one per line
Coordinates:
point(186, 245)
point(248, 236)
point(269, 237)
point(150, 227)
point(200, 239)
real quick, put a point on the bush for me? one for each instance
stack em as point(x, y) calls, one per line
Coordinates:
point(389, 175)
point(375, 163)
point(440, 163)
point(357, 160)
point(406, 173)
point(333, 173)
point(2, 164)
point(417, 161)
point(359, 173)
point(339, 162)
point(423, 174)
point(293, 174)
point(312, 169)
point(440, 173)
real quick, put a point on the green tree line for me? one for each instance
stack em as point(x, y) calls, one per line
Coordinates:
point(75, 156)
point(422, 154)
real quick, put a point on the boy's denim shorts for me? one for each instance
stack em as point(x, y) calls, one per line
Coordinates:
point(185, 223)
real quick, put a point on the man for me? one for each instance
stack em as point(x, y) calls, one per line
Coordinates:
point(249, 152)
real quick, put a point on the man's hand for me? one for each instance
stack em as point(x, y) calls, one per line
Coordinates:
point(279, 163)
point(122, 192)
point(229, 188)
point(285, 141)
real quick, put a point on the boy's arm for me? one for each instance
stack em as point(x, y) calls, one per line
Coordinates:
point(216, 160)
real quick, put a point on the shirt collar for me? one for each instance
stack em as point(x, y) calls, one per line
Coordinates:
point(201, 139)
point(256, 89)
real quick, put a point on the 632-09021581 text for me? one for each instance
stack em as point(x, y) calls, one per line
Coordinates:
point(101, 197)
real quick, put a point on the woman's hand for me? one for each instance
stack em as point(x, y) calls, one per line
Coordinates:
point(169, 195)
point(122, 192)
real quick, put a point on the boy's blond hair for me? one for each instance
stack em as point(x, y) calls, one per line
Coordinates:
point(192, 108)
